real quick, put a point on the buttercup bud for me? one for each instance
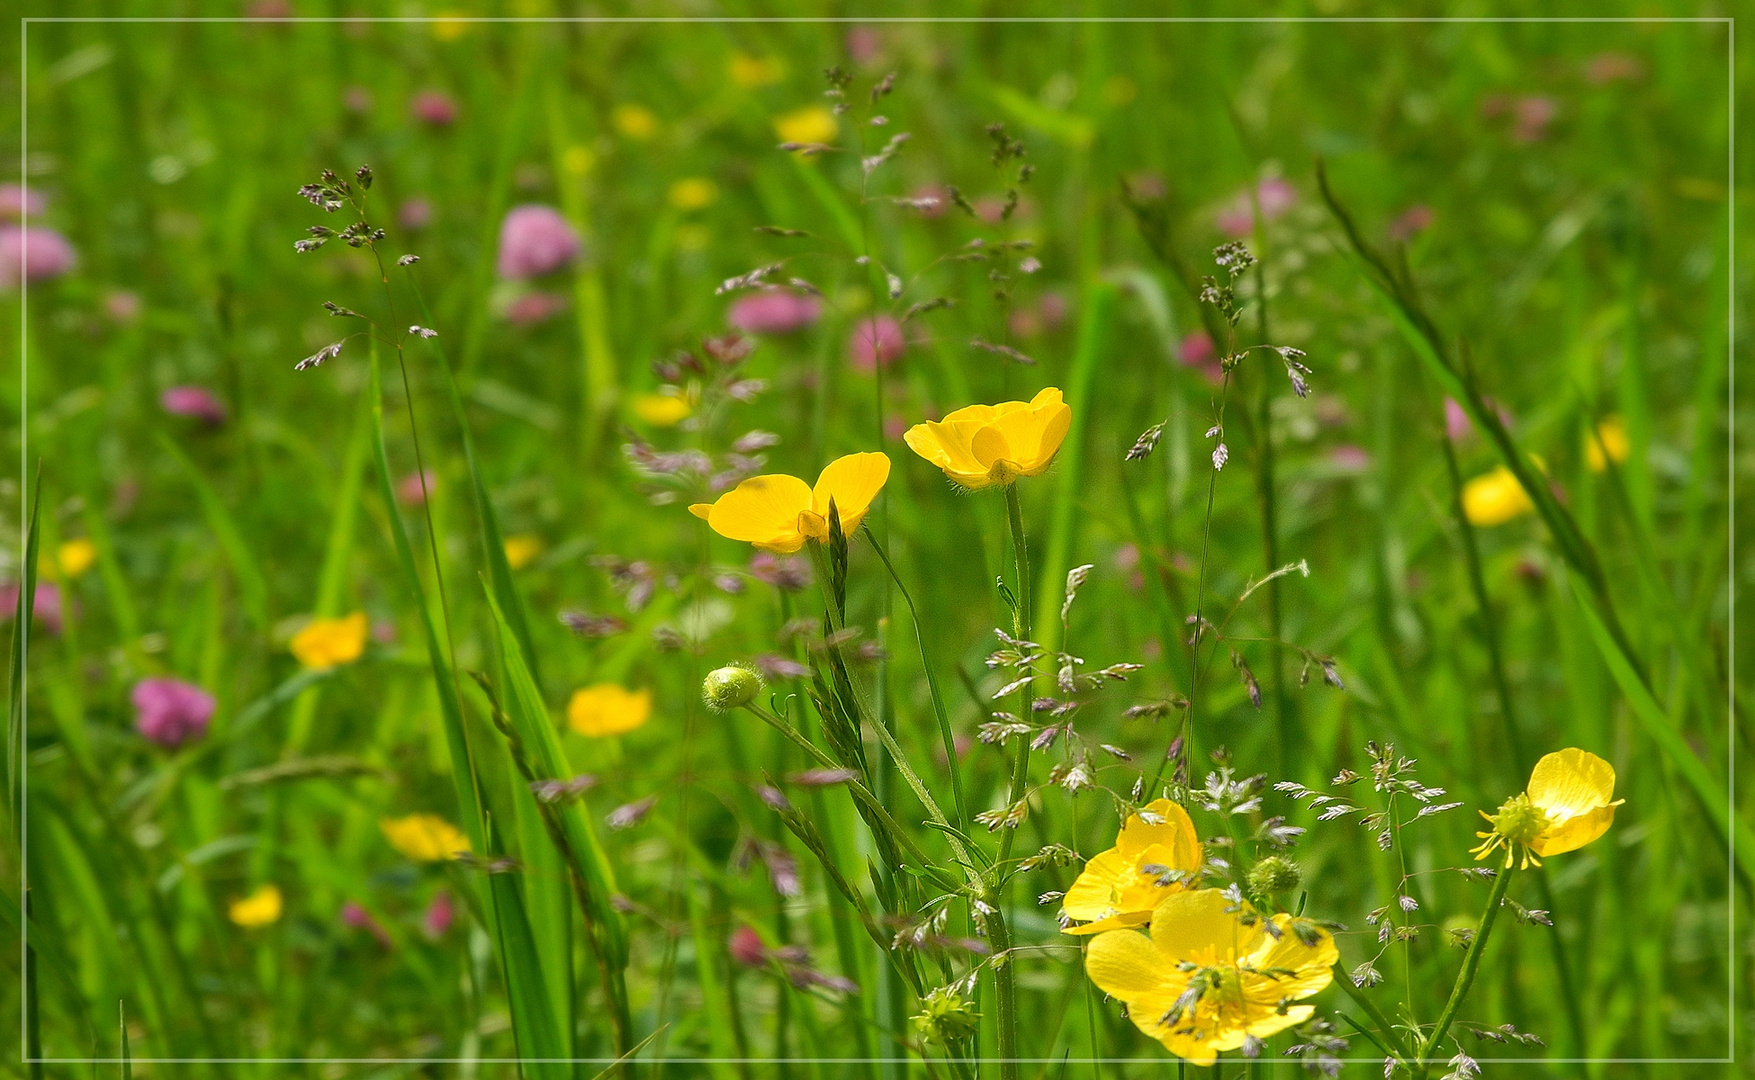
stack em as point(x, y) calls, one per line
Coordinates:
point(730, 687)
point(1274, 875)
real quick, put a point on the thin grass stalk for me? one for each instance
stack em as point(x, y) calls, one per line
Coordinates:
point(1466, 977)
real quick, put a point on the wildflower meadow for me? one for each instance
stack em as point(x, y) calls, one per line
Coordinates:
point(564, 540)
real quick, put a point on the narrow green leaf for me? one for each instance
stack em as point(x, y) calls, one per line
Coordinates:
point(252, 588)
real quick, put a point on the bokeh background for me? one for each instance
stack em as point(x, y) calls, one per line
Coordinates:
point(1559, 192)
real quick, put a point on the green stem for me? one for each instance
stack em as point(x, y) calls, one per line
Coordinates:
point(938, 704)
point(1363, 1000)
point(1466, 977)
point(1004, 977)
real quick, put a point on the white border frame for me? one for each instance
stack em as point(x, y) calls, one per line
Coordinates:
point(1729, 22)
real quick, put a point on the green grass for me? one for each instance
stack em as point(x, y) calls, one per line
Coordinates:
point(1566, 277)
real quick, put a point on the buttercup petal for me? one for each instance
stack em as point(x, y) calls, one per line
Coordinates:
point(1097, 890)
point(763, 510)
point(1275, 1022)
point(1174, 830)
point(1313, 964)
point(1054, 423)
point(853, 482)
point(1571, 782)
point(990, 445)
point(1128, 965)
point(1574, 833)
point(701, 510)
point(1194, 926)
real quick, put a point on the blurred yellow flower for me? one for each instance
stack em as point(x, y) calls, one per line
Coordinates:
point(662, 410)
point(1495, 498)
point(747, 70)
point(983, 445)
point(522, 550)
point(578, 160)
point(424, 837)
point(811, 124)
point(635, 121)
point(258, 909)
point(1611, 436)
point(608, 709)
point(327, 643)
point(779, 513)
point(450, 26)
point(1566, 806)
point(75, 557)
point(1206, 980)
point(692, 193)
point(1115, 890)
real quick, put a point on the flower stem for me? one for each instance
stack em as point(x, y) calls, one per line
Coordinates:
point(1466, 977)
point(1004, 979)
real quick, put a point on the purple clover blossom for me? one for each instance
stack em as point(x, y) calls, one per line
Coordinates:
point(171, 712)
point(535, 240)
point(193, 401)
point(779, 311)
point(33, 253)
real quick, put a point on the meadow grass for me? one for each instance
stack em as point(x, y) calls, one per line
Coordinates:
point(1484, 240)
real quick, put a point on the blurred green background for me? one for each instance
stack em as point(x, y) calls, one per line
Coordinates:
point(1559, 193)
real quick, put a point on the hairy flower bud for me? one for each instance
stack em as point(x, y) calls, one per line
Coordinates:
point(730, 687)
point(1274, 875)
point(945, 1017)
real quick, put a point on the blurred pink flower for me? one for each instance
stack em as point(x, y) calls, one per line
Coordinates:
point(16, 204)
point(193, 401)
point(171, 712)
point(384, 631)
point(34, 252)
point(1457, 425)
point(122, 306)
point(1608, 67)
point(1025, 322)
point(1349, 458)
point(535, 307)
point(746, 947)
point(46, 605)
point(778, 311)
point(1531, 117)
point(874, 341)
point(360, 919)
point(1415, 219)
point(413, 489)
point(414, 214)
point(441, 913)
point(865, 45)
point(1275, 196)
point(535, 240)
point(269, 9)
point(434, 107)
point(1196, 351)
point(785, 572)
point(895, 427)
point(1054, 308)
point(356, 99)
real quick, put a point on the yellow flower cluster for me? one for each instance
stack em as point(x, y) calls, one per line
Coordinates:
point(260, 908)
point(1567, 805)
point(608, 709)
point(327, 643)
point(976, 447)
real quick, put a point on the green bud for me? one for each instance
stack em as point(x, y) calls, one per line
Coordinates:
point(1519, 820)
point(945, 1017)
point(730, 687)
point(1273, 876)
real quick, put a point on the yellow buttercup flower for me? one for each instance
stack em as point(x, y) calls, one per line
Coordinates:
point(747, 70)
point(779, 513)
point(522, 550)
point(1209, 977)
point(1115, 890)
point(258, 909)
point(75, 557)
point(1566, 806)
point(1495, 498)
point(1611, 436)
point(635, 121)
point(984, 445)
point(693, 193)
point(608, 709)
point(811, 124)
point(662, 410)
point(424, 837)
point(327, 643)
